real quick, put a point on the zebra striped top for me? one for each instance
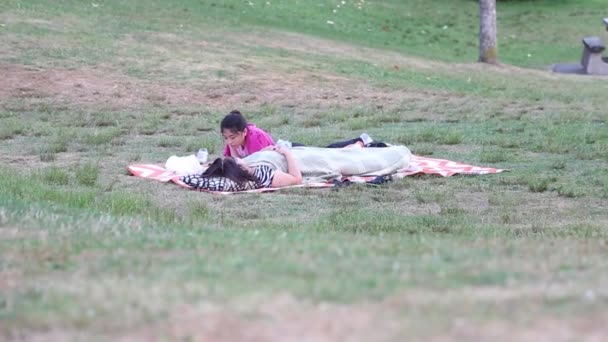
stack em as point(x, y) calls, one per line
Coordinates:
point(263, 175)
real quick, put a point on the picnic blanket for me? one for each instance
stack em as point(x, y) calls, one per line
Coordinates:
point(418, 165)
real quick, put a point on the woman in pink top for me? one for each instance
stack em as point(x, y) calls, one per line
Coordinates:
point(242, 138)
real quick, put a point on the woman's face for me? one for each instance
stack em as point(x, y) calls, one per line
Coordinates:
point(234, 138)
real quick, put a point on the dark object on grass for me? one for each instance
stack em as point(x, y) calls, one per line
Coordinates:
point(341, 183)
point(380, 180)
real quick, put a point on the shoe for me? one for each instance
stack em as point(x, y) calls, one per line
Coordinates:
point(376, 144)
point(380, 180)
point(366, 138)
point(338, 183)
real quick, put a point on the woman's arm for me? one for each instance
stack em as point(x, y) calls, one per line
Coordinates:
point(293, 175)
point(230, 151)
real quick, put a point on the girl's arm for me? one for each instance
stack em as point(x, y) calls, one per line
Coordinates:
point(232, 151)
point(293, 175)
point(228, 151)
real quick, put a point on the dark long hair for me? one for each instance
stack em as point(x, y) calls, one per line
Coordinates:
point(228, 168)
point(234, 122)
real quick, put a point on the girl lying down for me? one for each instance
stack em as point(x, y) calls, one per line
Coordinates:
point(276, 167)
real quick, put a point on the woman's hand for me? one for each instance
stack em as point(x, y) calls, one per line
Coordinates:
point(280, 149)
point(293, 175)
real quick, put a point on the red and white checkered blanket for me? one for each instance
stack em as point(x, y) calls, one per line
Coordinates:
point(418, 165)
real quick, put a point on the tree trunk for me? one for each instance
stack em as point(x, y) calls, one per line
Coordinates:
point(488, 49)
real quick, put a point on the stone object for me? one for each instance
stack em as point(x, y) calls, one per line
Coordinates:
point(592, 61)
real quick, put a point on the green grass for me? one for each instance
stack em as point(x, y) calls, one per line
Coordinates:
point(531, 33)
point(87, 174)
point(55, 175)
point(89, 252)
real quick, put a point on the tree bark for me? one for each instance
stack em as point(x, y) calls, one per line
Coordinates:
point(488, 48)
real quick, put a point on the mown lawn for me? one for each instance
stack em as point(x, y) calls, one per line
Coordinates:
point(89, 252)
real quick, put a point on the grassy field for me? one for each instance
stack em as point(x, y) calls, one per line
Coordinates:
point(88, 252)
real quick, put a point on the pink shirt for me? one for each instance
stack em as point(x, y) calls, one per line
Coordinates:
point(255, 140)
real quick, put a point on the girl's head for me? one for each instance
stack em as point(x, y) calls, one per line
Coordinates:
point(228, 168)
point(234, 129)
